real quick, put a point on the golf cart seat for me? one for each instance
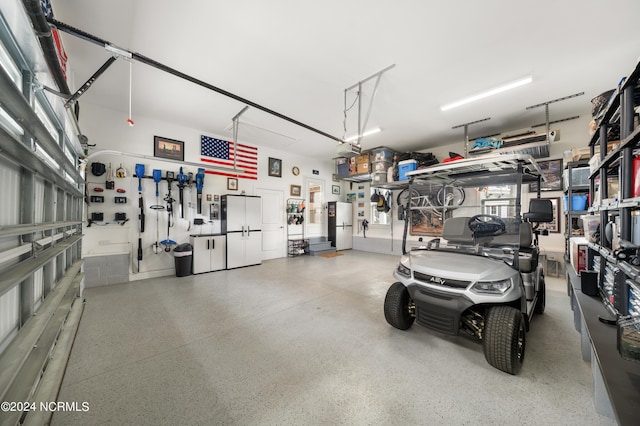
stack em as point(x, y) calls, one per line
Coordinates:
point(456, 231)
point(539, 211)
point(527, 258)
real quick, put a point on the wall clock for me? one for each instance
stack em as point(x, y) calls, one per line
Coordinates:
point(295, 171)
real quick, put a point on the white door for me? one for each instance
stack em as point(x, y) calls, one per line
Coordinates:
point(315, 211)
point(273, 231)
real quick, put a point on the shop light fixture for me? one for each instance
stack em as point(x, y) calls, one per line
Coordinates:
point(486, 94)
point(367, 133)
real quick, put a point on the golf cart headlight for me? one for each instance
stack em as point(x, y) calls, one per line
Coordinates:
point(492, 287)
point(403, 270)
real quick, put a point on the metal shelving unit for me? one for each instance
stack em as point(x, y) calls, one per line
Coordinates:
point(296, 242)
point(571, 216)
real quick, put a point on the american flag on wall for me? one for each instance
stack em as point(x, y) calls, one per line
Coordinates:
point(221, 153)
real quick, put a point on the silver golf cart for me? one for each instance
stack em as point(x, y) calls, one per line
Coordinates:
point(482, 275)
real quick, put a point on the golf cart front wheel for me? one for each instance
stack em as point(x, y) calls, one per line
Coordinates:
point(398, 307)
point(503, 341)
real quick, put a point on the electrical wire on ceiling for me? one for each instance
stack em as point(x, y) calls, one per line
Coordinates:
point(346, 110)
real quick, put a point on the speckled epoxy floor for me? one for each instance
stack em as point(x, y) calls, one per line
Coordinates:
point(304, 341)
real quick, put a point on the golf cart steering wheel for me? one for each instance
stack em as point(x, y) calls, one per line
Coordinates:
point(487, 224)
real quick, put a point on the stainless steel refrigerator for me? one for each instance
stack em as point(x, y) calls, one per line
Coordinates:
point(340, 217)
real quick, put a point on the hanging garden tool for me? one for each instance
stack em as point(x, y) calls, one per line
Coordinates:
point(129, 119)
point(199, 186)
point(182, 182)
point(190, 182)
point(140, 175)
point(169, 199)
point(110, 184)
point(157, 177)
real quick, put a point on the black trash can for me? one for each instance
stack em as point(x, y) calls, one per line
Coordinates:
point(183, 254)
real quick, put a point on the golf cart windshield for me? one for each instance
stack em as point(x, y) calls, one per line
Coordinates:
point(472, 206)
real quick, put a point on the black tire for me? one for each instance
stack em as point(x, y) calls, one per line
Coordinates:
point(542, 298)
point(503, 342)
point(396, 307)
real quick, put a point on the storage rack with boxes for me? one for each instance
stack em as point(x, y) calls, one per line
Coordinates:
point(576, 189)
point(613, 262)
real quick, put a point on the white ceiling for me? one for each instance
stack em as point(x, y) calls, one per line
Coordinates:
point(297, 57)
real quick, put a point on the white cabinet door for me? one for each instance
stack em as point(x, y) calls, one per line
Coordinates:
point(344, 238)
point(235, 213)
point(218, 253)
point(253, 212)
point(236, 250)
point(254, 248)
point(201, 255)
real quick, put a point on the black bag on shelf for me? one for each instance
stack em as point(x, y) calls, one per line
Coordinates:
point(424, 159)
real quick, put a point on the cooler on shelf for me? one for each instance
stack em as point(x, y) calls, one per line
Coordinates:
point(406, 166)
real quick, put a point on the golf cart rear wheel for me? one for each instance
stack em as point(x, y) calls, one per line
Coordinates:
point(542, 297)
point(396, 307)
point(503, 342)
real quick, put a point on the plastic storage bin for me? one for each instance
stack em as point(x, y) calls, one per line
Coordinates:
point(406, 166)
point(590, 223)
point(579, 177)
point(343, 170)
point(183, 254)
point(382, 154)
point(578, 202)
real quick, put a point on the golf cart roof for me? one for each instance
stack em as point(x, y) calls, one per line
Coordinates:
point(482, 171)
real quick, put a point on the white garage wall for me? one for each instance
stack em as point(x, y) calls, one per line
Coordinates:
point(108, 129)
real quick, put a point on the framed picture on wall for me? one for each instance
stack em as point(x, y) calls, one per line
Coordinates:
point(275, 167)
point(552, 170)
point(170, 149)
point(335, 189)
point(553, 226)
point(232, 184)
point(295, 190)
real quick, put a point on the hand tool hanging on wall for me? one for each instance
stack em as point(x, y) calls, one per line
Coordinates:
point(182, 182)
point(169, 199)
point(157, 177)
point(121, 172)
point(190, 182)
point(199, 186)
point(110, 184)
point(140, 175)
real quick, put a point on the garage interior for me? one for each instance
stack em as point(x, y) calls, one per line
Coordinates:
point(169, 252)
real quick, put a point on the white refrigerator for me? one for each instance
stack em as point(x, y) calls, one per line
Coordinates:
point(241, 222)
point(340, 218)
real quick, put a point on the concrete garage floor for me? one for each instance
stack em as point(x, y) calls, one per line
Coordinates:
point(304, 341)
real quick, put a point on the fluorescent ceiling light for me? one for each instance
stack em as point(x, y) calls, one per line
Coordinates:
point(491, 92)
point(367, 133)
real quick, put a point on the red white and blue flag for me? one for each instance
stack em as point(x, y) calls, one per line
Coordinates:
point(221, 153)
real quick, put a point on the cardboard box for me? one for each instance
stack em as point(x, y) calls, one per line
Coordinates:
point(362, 168)
point(578, 253)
